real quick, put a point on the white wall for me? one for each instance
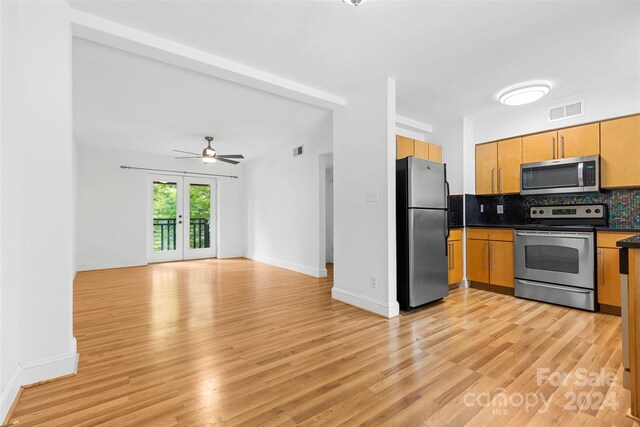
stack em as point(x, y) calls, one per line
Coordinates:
point(602, 103)
point(448, 134)
point(112, 206)
point(36, 186)
point(328, 183)
point(364, 232)
point(283, 202)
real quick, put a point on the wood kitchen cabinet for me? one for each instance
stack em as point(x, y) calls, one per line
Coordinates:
point(490, 257)
point(561, 144)
point(578, 141)
point(498, 167)
point(539, 147)
point(407, 147)
point(608, 270)
point(455, 256)
point(619, 149)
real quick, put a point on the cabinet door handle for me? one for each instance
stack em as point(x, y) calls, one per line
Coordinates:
point(601, 265)
point(485, 254)
point(493, 173)
point(553, 147)
point(491, 256)
point(450, 256)
point(562, 145)
point(500, 180)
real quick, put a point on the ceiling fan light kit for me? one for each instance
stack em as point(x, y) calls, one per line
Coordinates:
point(209, 155)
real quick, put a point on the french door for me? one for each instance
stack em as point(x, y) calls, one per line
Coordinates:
point(181, 218)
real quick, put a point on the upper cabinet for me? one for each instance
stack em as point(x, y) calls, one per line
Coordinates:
point(578, 141)
point(539, 147)
point(498, 167)
point(407, 147)
point(569, 142)
point(619, 148)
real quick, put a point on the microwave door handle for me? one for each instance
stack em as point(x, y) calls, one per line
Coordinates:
point(581, 174)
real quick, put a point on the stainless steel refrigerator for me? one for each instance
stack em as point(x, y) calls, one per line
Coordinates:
point(422, 219)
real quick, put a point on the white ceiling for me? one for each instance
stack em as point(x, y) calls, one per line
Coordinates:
point(130, 102)
point(450, 58)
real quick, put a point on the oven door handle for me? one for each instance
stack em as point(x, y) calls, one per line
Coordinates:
point(562, 288)
point(568, 236)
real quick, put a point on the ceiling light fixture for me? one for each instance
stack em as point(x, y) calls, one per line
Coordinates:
point(354, 2)
point(524, 93)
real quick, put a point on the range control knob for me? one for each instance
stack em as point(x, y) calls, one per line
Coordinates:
point(589, 211)
point(534, 212)
point(541, 211)
point(597, 211)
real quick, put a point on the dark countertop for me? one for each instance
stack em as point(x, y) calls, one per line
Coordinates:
point(620, 229)
point(631, 242)
point(456, 226)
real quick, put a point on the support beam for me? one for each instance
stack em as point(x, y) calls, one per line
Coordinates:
point(109, 33)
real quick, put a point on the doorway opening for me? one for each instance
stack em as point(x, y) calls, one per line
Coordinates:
point(181, 218)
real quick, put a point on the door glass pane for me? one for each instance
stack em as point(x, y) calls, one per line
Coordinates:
point(165, 202)
point(552, 258)
point(199, 216)
point(551, 176)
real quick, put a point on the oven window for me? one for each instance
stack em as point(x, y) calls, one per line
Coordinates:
point(552, 258)
point(550, 176)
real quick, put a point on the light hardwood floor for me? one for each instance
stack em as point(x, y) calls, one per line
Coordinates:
point(236, 342)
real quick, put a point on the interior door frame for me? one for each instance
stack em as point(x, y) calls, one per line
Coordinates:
point(180, 253)
point(212, 250)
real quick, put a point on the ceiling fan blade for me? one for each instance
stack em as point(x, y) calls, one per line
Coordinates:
point(189, 157)
point(233, 162)
point(186, 152)
point(230, 156)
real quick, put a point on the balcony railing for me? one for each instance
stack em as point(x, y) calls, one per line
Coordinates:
point(164, 234)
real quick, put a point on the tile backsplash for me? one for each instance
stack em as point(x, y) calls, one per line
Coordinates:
point(624, 207)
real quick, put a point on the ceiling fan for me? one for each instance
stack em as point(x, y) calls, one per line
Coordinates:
point(209, 155)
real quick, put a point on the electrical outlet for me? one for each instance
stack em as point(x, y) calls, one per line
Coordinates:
point(481, 208)
point(372, 282)
point(500, 209)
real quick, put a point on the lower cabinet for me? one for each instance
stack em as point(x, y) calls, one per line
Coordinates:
point(608, 269)
point(490, 257)
point(455, 256)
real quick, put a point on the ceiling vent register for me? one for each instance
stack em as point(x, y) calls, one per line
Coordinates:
point(567, 111)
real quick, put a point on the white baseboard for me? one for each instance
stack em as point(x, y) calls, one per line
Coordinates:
point(310, 271)
point(224, 255)
point(35, 372)
point(379, 307)
point(119, 263)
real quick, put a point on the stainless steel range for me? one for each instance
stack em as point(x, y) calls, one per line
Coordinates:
point(554, 257)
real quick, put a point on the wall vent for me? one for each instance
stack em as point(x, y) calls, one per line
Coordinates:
point(297, 151)
point(566, 111)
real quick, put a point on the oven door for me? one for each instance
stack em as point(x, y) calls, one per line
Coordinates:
point(563, 258)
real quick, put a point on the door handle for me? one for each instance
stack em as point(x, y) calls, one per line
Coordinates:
point(562, 145)
point(484, 255)
point(493, 173)
point(553, 147)
point(490, 255)
point(499, 180)
point(453, 263)
point(601, 253)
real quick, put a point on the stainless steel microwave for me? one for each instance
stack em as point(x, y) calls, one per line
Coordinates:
point(574, 175)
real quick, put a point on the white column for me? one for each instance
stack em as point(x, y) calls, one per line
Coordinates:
point(364, 199)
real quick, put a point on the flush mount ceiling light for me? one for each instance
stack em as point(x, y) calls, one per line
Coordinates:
point(354, 2)
point(524, 93)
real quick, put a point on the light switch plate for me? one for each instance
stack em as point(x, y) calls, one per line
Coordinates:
point(371, 196)
point(500, 209)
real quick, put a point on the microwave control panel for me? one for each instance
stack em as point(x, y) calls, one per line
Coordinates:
point(589, 174)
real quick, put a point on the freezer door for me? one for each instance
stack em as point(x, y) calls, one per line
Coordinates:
point(426, 184)
point(428, 273)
